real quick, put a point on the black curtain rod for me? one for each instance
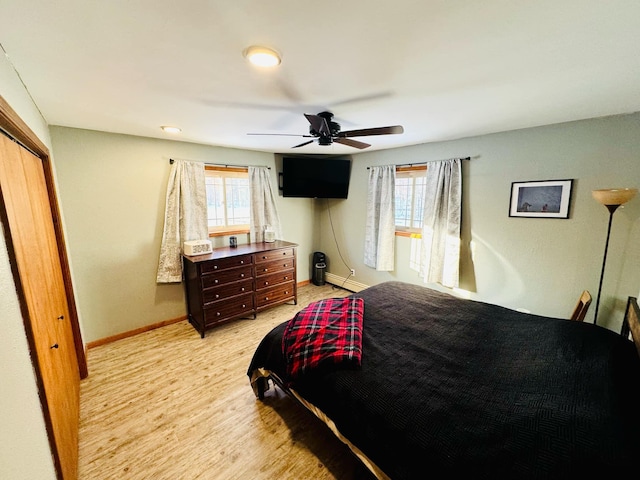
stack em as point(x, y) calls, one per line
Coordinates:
point(171, 160)
point(423, 163)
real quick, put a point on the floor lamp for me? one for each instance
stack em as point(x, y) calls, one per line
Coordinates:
point(611, 198)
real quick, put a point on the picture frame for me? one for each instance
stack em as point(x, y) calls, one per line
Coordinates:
point(541, 199)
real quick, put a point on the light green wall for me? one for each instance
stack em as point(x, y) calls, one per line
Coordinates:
point(24, 447)
point(112, 190)
point(540, 265)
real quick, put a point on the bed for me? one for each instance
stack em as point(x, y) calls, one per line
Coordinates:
point(446, 386)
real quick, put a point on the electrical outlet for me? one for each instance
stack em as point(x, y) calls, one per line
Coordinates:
point(353, 272)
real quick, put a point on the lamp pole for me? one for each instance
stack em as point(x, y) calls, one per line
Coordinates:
point(612, 208)
point(611, 198)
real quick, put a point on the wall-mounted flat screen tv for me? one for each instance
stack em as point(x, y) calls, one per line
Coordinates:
point(310, 177)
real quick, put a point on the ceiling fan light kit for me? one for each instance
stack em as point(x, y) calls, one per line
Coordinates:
point(262, 56)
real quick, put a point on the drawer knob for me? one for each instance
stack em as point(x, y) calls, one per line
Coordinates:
point(217, 314)
point(215, 267)
point(215, 281)
point(241, 262)
point(266, 270)
point(266, 298)
point(285, 265)
point(55, 345)
point(264, 257)
point(242, 275)
point(286, 278)
point(244, 306)
point(217, 295)
point(242, 289)
point(286, 292)
point(266, 283)
point(61, 317)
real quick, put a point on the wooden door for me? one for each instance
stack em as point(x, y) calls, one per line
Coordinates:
point(31, 238)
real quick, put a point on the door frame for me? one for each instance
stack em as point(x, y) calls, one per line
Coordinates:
point(13, 125)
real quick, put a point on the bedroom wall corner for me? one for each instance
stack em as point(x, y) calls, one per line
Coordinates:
point(540, 265)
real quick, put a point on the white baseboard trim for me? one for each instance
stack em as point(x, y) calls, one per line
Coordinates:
point(340, 282)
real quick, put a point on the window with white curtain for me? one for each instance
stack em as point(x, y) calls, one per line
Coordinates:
point(228, 200)
point(409, 199)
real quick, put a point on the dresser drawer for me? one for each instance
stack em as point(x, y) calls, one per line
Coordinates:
point(234, 307)
point(224, 263)
point(272, 279)
point(287, 253)
point(278, 293)
point(228, 290)
point(227, 276)
point(275, 266)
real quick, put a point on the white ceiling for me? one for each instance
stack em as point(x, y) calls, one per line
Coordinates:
point(444, 69)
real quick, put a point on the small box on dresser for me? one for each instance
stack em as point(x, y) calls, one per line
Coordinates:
point(231, 283)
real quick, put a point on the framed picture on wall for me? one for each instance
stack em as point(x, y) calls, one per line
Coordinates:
point(540, 199)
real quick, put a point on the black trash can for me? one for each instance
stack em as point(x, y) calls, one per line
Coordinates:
point(319, 267)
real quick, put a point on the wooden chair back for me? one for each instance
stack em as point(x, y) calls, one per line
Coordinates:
point(580, 311)
point(631, 322)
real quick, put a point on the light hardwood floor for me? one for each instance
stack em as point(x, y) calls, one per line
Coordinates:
point(166, 404)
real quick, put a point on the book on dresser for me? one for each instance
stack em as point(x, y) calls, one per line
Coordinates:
point(237, 282)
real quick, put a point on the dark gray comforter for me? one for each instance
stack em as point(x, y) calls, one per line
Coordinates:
point(451, 386)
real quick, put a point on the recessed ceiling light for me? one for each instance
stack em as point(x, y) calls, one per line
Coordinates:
point(170, 129)
point(262, 56)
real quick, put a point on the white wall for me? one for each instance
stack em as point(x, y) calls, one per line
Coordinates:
point(112, 190)
point(541, 265)
point(24, 447)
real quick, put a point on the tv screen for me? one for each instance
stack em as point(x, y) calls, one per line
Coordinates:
point(316, 177)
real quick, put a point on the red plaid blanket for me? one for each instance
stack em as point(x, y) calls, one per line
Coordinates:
point(324, 334)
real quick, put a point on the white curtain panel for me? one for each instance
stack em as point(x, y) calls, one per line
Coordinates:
point(380, 231)
point(185, 217)
point(440, 256)
point(263, 212)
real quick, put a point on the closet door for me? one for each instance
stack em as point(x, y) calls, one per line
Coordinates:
point(33, 246)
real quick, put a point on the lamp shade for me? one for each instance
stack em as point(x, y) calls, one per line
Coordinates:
point(614, 196)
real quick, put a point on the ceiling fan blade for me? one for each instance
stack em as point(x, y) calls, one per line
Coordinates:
point(303, 144)
point(372, 131)
point(319, 124)
point(351, 143)
point(282, 134)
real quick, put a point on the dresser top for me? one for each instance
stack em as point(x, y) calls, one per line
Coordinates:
point(241, 249)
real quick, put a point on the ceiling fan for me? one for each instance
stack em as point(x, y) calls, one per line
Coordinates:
point(325, 131)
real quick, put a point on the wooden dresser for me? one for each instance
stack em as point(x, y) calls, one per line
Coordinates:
point(232, 283)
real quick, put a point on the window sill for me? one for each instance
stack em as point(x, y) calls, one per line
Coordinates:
point(228, 232)
point(408, 234)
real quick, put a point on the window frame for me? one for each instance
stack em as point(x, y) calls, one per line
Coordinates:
point(227, 172)
point(402, 231)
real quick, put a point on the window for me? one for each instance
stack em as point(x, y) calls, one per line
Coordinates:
point(228, 200)
point(410, 192)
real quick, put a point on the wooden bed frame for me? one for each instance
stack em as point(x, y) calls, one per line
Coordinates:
point(631, 322)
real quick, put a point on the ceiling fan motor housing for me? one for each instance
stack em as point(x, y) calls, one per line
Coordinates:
point(333, 127)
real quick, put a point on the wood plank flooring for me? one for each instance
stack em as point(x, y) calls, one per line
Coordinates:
point(167, 404)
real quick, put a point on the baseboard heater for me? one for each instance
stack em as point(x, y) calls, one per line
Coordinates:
point(339, 281)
